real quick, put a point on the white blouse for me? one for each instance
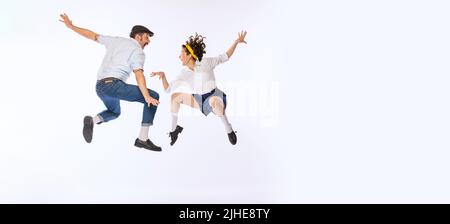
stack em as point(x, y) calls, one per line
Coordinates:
point(200, 81)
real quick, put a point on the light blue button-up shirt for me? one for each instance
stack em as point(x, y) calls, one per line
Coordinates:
point(123, 55)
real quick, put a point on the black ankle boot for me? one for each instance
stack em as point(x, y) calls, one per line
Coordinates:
point(174, 134)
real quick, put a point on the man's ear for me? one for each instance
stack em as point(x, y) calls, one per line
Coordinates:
point(137, 37)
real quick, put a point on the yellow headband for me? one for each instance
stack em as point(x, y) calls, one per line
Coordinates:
point(191, 51)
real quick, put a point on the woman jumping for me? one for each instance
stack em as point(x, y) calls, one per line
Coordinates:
point(195, 86)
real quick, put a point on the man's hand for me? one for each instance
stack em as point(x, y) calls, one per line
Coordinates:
point(151, 101)
point(83, 32)
point(65, 19)
point(140, 80)
point(241, 37)
point(159, 74)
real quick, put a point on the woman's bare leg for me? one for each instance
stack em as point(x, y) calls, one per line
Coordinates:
point(219, 109)
point(176, 100)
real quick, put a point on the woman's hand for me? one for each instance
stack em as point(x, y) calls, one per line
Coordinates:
point(161, 77)
point(241, 37)
point(159, 74)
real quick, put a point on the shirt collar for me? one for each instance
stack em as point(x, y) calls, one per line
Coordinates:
point(188, 69)
point(135, 41)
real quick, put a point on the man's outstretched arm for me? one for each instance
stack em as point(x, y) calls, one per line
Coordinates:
point(83, 32)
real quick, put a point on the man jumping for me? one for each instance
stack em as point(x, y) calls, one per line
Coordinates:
point(123, 55)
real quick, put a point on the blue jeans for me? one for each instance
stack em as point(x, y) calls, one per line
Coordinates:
point(112, 91)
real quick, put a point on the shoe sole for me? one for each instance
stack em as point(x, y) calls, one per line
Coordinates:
point(139, 146)
point(233, 143)
point(88, 129)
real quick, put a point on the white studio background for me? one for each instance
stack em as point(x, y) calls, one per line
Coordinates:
point(333, 101)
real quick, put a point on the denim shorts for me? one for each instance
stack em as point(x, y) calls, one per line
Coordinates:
point(203, 100)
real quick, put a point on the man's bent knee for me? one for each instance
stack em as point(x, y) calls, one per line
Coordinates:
point(154, 94)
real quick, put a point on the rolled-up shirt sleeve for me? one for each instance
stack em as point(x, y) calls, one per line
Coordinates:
point(214, 61)
point(137, 60)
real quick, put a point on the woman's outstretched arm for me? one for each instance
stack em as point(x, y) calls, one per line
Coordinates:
point(161, 76)
point(240, 39)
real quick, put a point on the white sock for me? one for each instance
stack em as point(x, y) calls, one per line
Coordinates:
point(143, 135)
point(174, 121)
point(227, 124)
point(97, 119)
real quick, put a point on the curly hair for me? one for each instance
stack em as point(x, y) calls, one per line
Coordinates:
point(197, 45)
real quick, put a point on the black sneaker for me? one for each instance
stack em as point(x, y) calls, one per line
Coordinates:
point(232, 137)
point(88, 128)
point(174, 134)
point(147, 145)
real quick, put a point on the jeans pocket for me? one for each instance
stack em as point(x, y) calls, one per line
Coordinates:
point(106, 86)
point(99, 88)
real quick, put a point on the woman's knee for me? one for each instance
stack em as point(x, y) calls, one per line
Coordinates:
point(215, 102)
point(217, 106)
point(219, 111)
point(174, 96)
